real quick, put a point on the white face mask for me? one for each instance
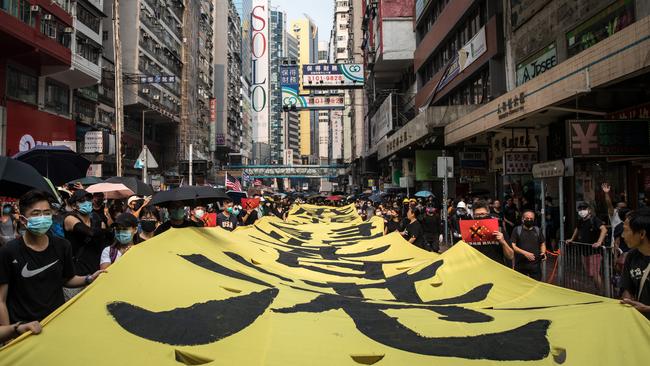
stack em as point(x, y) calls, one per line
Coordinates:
point(583, 213)
point(199, 214)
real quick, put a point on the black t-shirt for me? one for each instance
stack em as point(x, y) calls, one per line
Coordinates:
point(431, 225)
point(168, 225)
point(588, 232)
point(226, 222)
point(530, 241)
point(392, 226)
point(35, 279)
point(250, 220)
point(87, 245)
point(414, 230)
point(635, 264)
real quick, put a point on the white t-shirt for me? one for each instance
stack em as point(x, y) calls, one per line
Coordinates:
point(106, 256)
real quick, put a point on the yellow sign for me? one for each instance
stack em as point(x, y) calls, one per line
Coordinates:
point(325, 288)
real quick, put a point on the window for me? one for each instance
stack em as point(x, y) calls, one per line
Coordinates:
point(22, 86)
point(84, 110)
point(87, 18)
point(105, 36)
point(19, 9)
point(88, 49)
point(57, 97)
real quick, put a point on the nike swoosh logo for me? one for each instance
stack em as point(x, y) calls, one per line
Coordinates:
point(27, 273)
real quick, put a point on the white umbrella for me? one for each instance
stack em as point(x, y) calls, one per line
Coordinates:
point(111, 190)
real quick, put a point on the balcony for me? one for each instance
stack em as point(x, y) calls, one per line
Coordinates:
point(395, 48)
point(21, 37)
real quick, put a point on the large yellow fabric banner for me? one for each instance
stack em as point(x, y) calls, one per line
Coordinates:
point(325, 288)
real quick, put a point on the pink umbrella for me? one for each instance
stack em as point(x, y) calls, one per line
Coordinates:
point(111, 190)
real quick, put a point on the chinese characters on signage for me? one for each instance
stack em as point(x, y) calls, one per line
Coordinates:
point(289, 75)
point(397, 141)
point(519, 162)
point(607, 138)
point(213, 109)
point(157, 79)
point(511, 105)
point(328, 75)
point(221, 139)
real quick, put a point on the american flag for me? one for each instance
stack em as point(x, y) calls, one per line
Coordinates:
point(232, 184)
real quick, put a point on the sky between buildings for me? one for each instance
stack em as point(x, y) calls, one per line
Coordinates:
point(321, 11)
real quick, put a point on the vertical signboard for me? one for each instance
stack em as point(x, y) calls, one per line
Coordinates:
point(336, 119)
point(381, 122)
point(260, 70)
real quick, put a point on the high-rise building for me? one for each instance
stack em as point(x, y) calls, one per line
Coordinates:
point(306, 32)
point(244, 8)
point(228, 82)
point(291, 119)
point(50, 66)
point(277, 46)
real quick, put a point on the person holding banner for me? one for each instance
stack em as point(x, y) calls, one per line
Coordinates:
point(248, 215)
point(484, 235)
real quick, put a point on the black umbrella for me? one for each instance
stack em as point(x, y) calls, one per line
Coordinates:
point(17, 178)
point(191, 195)
point(138, 187)
point(236, 196)
point(58, 163)
point(87, 181)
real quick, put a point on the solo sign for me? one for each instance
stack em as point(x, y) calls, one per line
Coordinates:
point(260, 69)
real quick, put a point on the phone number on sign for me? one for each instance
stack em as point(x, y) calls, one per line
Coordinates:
point(313, 78)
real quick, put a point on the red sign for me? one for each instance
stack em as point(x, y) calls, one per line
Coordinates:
point(250, 203)
point(28, 127)
point(213, 109)
point(479, 232)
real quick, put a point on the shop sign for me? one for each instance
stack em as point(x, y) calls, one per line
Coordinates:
point(537, 64)
point(509, 141)
point(328, 75)
point(548, 169)
point(94, 142)
point(472, 50)
point(221, 139)
point(473, 159)
point(610, 20)
point(213, 109)
point(511, 105)
point(609, 138)
point(638, 112)
point(94, 170)
point(381, 122)
point(453, 69)
point(89, 93)
point(519, 162)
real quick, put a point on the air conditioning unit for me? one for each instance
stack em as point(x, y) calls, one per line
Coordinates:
point(67, 30)
point(145, 35)
point(158, 46)
point(142, 7)
point(145, 91)
point(47, 16)
point(34, 8)
point(156, 97)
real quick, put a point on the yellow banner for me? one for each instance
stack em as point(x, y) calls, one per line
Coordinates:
point(325, 288)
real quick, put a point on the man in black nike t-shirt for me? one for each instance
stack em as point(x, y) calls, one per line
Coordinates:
point(35, 267)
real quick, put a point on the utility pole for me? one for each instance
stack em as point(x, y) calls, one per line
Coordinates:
point(191, 165)
point(119, 96)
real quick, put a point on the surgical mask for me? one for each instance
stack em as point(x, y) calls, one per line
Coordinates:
point(583, 213)
point(148, 226)
point(39, 225)
point(235, 212)
point(528, 223)
point(85, 208)
point(7, 210)
point(123, 237)
point(177, 213)
point(199, 214)
point(461, 212)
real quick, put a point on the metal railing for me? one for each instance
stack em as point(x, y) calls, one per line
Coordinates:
point(581, 267)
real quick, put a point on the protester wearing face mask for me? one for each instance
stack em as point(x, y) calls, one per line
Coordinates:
point(227, 219)
point(591, 231)
point(460, 213)
point(149, 220)
point(197, 215)
point(177, 218)
point(125, 226)
point(87, 240)
point(35, 267)
point(529, 245)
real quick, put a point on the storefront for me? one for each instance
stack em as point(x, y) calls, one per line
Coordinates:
point(28, 127)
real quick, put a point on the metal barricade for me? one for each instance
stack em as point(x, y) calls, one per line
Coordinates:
point(581, 267)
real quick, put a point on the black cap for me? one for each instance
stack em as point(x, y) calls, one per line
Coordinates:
point(125, 220)
point(582, 205)
point(79, 195)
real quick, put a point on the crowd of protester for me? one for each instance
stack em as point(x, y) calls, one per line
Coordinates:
point(49, 252)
